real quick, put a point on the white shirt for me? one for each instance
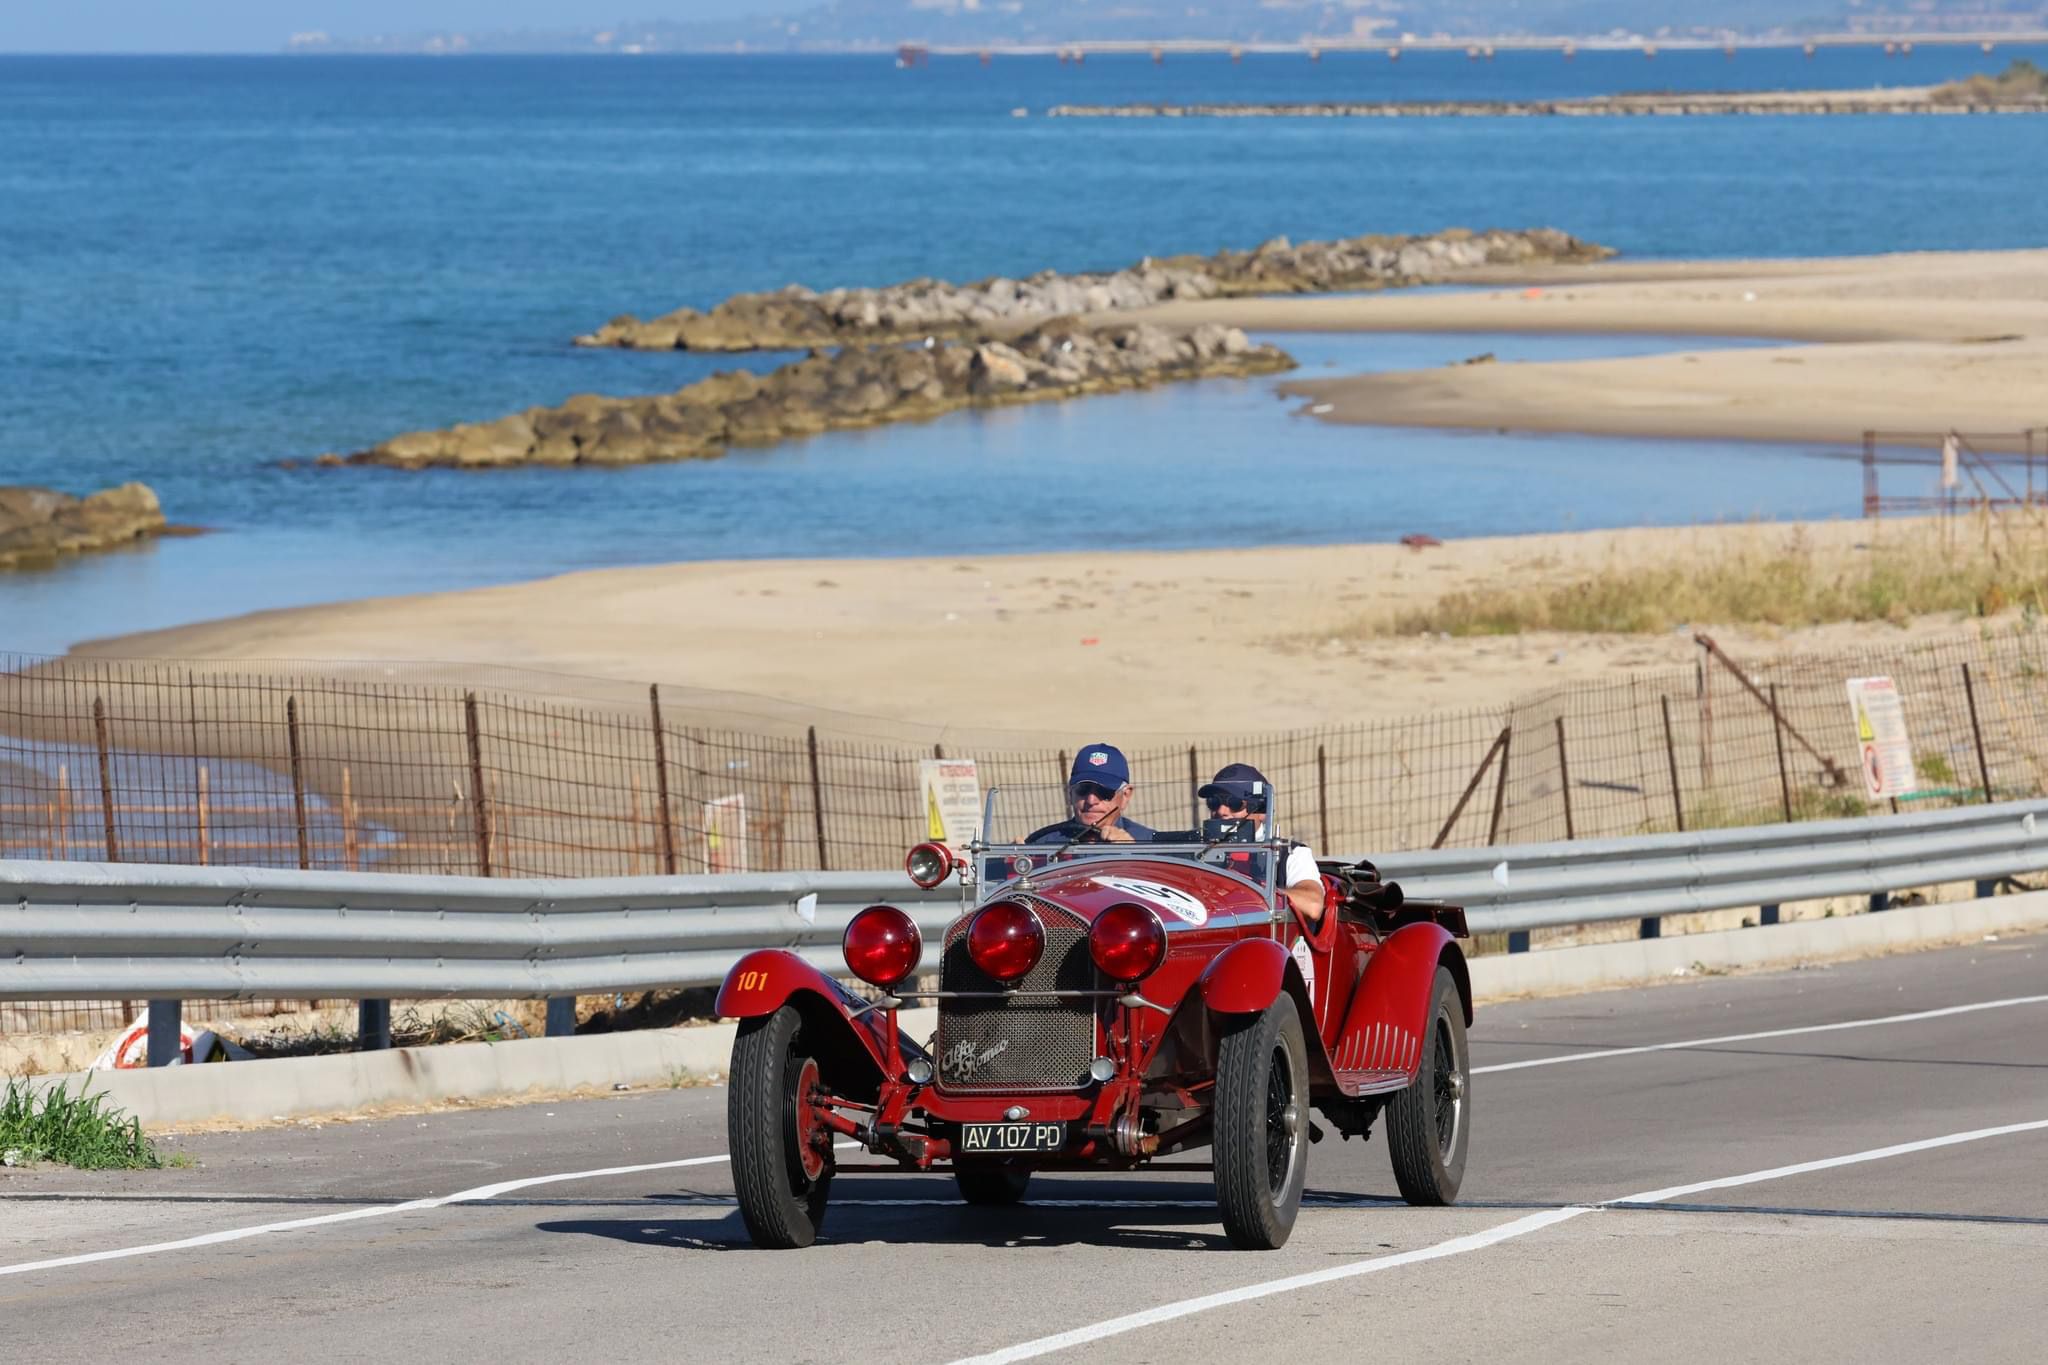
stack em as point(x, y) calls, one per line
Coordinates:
point(1301, 864)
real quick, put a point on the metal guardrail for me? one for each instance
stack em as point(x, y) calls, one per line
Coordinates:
point(71, 930)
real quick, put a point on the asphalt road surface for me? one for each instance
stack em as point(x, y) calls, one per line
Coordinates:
point(1790, 1189)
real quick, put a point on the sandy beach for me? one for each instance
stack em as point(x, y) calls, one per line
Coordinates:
point(1236, 641)
point(1918, 342)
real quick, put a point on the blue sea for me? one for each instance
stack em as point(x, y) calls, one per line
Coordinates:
point(211, 265)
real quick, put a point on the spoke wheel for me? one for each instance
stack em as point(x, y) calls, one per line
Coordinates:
point(781, 1152)
point(1261, 1126)
point(1429, 1123)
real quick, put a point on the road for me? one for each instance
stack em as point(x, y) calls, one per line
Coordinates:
point(1914, 1223)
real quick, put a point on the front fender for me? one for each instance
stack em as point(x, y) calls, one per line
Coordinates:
point(1245, 977)
point(1390, 1006)
point(857, 1051)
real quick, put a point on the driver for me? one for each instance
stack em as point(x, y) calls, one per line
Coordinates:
point(1239, 793)
point(1098, 792)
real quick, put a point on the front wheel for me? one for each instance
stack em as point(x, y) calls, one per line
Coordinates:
point(781, 1154)
point(1429, 1125)
point(1261, 1126)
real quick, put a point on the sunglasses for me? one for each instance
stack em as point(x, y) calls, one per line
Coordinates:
point(1096, 790)
point(1219, 804)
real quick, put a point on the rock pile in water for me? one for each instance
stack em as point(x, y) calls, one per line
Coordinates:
point(39, 524)
point(797, 317)
point(855, 387)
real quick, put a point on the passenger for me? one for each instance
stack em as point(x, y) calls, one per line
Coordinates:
point(1239, 792)
point(1098, 792)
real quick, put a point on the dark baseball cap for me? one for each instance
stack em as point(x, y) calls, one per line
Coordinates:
point(1239, 781)
point(1103, 763)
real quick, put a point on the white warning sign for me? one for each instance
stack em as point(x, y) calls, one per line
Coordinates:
point(1884, 753)
point(951, 792)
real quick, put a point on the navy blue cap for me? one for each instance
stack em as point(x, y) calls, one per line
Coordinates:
point(1239, 781)
point(1103, 763)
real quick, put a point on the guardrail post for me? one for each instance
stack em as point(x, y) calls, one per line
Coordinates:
point(1518, 940)
point(561, 1016)
point(1880, 900)
point(373, 1025)
point(166, 1026)
point(99, 727)
point(1987, 887)
point(482, 814)
point(1651, 927)
point(1671, 757)
point(668, 819)
point(291, 728)
point(817, 797)
point(1767, 914)
point(1977, 733)
point(1564, 780)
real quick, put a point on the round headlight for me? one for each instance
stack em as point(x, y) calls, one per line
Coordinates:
point(1005, 940)
point(882, 945)
point(929, 864)
point(1127, 942)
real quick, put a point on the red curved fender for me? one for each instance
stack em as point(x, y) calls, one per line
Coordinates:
point(1390, 1007)
point(766, 979)
point(1245, 977)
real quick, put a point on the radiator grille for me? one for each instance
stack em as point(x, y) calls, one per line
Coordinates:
point(1012, 1043)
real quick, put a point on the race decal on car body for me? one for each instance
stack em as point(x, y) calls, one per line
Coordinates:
point(1183, 904)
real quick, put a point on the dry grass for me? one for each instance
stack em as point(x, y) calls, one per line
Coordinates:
point(1982, 569)
point(2020, 83)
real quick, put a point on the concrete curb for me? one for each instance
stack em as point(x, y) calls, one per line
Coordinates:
point(1634, 962)
point(419, 1077)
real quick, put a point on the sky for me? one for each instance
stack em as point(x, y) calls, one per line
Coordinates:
point(264, 25)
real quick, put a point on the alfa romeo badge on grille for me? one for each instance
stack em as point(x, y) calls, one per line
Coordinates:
point(961, 1060)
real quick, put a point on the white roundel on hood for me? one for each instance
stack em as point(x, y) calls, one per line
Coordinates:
point(1180, 904)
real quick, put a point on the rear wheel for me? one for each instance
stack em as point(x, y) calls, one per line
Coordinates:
point(781, 1154)
point(1429, 1124)
point(1261, 1126)
point(991, 1185)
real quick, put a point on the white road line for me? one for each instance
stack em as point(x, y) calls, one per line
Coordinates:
point(1520, 1227)
point(1767, 1033)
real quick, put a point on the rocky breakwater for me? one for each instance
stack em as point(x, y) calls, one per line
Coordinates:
point(797, 317)
point(37, 525)
point(854, 387)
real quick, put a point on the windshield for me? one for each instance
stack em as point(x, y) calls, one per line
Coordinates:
point(1028, 827)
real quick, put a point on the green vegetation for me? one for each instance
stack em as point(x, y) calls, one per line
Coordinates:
point(1791, 586)
point(2020, 83)
point(77, 1130)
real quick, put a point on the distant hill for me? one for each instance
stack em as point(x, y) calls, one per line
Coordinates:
point(856, 25)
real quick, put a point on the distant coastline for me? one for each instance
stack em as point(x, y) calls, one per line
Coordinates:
point(1899, 100)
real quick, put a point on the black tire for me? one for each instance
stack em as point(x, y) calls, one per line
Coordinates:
point(781, 1200)
point(993, 1186)
point(1429, 1125)
point(1261, 1126)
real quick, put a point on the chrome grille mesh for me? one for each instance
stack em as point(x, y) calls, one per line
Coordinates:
point(1012, 1042)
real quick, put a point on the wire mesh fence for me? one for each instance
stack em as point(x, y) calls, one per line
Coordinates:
point(497, 776)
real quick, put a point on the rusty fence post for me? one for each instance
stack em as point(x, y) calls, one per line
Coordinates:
point(99, 727)
point(291, 729)
point(480, 809)
point(1323, 798)
point(817, 797)
point(1977, 732)
point(1671, 757)
point(1784, 777)
point(1500, 785)
point(668, 818)
point(1478, 774)
point(1564, 781)
point(1194, 787)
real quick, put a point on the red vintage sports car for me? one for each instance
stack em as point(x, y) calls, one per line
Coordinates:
point(1101, 1005)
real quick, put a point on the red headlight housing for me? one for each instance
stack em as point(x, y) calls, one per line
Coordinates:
point(1005, 939)
point(1127, 942)
point(882, 945)
point(929, 864)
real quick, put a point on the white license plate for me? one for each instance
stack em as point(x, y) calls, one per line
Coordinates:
point(976, 1138)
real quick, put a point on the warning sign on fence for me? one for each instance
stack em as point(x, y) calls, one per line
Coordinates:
point(951, 793)
point(1885, 753)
